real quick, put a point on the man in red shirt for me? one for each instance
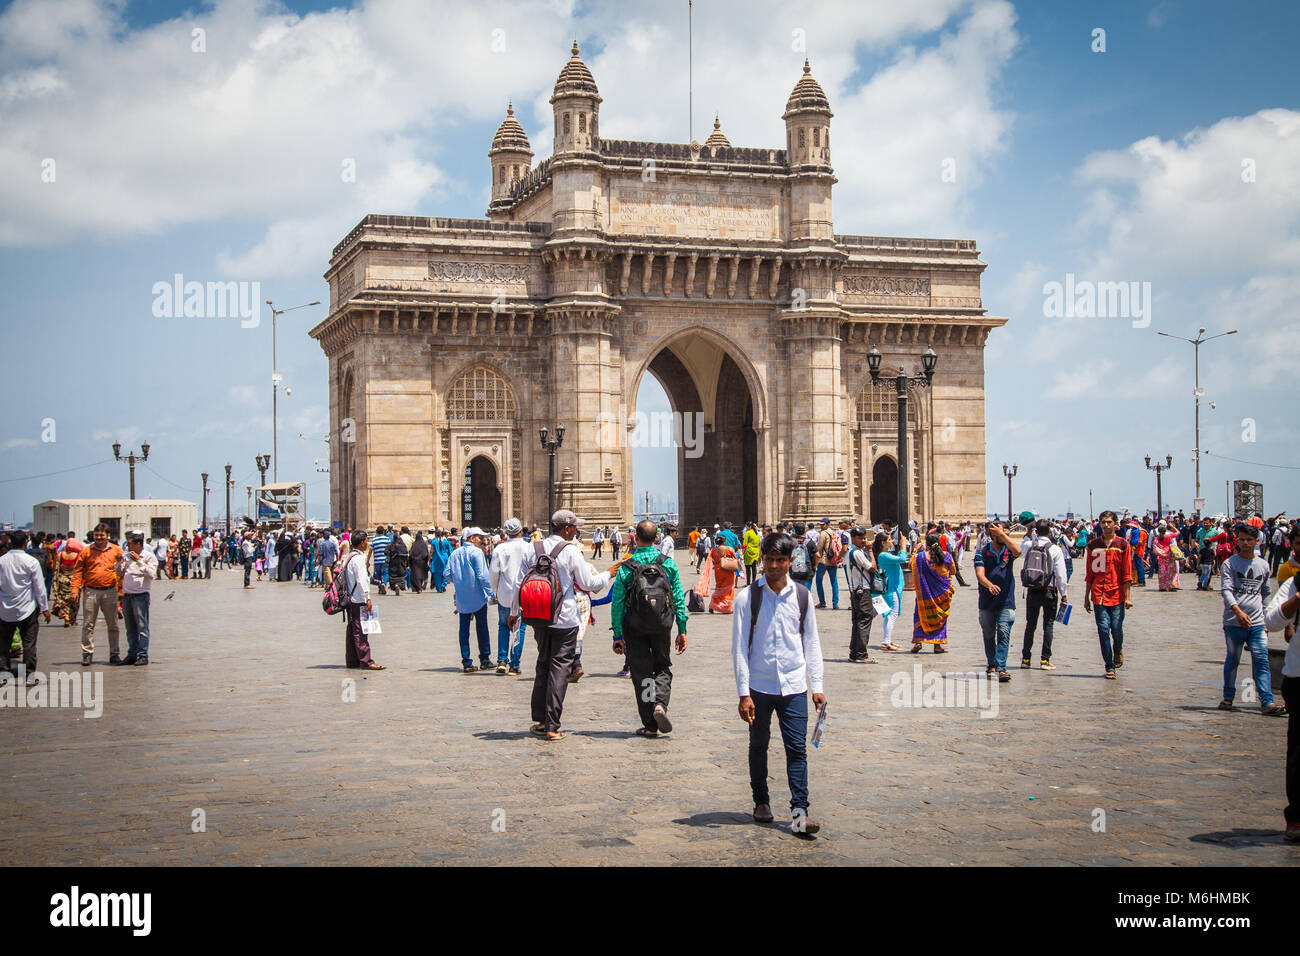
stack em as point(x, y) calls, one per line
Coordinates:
point(1109, 573)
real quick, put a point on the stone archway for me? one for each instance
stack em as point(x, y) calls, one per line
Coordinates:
point(481, 494)
point(884, 489)
point(708, 381)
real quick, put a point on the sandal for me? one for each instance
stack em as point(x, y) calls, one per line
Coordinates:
point(558, 735)
point(537, 730)
point(940, 650)
point(916, 648)
point(372, 666)
point(1274, 710)
point(642, 732)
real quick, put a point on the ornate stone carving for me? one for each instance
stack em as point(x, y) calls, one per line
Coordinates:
point(886, 285)
point(456, 271)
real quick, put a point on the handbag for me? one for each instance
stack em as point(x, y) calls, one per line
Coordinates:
point(729, 564)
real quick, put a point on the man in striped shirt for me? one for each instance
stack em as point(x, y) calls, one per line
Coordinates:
point(379, 548)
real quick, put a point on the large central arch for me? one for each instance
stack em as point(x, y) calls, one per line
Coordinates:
point(708, 377)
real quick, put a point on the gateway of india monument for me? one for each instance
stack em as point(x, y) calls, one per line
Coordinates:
point(453, 342)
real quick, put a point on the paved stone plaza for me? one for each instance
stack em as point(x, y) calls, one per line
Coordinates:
point(241, 714)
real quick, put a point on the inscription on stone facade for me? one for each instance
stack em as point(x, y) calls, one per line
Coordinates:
point(455, 271)
point(683, 213)
point(886, 285)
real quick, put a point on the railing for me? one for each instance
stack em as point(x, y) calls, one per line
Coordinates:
point(432, 223)
point(918, 245)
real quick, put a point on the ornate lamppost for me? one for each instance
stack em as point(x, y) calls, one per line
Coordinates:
point(901, 383)
point(230, 483)
point(1010, 473)
point(550, 446)
point(204, 476)
point(131, 459)
point(1158, 468)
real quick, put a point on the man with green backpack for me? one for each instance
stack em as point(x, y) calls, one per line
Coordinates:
point(646, 598)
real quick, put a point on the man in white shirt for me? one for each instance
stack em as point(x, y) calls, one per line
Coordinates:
point(503, 573)
point(160, 554)
point(777, 660)
point(1281, 615)
point(857, 578)
point(557, 645)
point(137, 568)
point(668, 545)
point(354, 588)
point(1044, 600)
point(22, 597)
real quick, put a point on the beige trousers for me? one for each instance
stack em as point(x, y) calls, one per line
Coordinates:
point(105, 601)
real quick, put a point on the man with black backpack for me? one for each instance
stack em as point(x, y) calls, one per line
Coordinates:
point(647, 597)
point(546, 600)
point(778, 660)
point(803, 560)
point(1043, 575)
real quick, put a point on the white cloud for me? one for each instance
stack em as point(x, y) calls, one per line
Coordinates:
point(1081, 380)
point(18, 443)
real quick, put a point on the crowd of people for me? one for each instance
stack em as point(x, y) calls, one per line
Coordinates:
point(547, 582)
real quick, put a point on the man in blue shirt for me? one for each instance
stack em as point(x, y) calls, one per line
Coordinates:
point(379, 548)
point(995, 570)
point(467, 572)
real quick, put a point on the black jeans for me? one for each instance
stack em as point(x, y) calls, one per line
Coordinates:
point(649, 662)
point(556, 648)
point(792, 716)
point(1291, 694)
point(751, 573)
point(860, 634)
point(1046, 602)
point(28, 628)
point(248, 569)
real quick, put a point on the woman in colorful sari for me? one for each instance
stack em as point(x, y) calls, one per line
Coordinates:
point(720, 567)
point(932, 572)
point(1167, 557)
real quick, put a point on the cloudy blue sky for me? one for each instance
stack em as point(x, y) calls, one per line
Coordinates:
point(1171, 158)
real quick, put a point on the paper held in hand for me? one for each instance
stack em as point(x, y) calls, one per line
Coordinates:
point(821, 725)
point(1063, 613)
point(370, 622)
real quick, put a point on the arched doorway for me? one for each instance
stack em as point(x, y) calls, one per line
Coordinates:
point(884, 490)
point(714, 416)
point(481, 494)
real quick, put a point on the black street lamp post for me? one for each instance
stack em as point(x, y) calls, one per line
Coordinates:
point(204, 526)
point(1010, 473)
point(229, 484)
point(131, 459)
point(901, 383)
point(1158, 468)
point(550, 446)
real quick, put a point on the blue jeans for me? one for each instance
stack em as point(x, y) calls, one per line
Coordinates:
point(1237, 637)
point(381, 573)
point(835, 585)
point(792, 717)
point(1110, 625)
point(1139, 570)
point(1203, 579)
point(135, 613)
point(506, 651)
point(996, 623)
point(484, 643)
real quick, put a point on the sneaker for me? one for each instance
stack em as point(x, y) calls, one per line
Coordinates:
point(1004, 677)
point(1292, 834)
point(1119, 658)
point(1046, 665)
point(514, 672)
point(763, 813)
point(1025, 663)
point(469, 669)
point(485, 665)
point(1225, 705)
point(126, 661)
point(991, 671)
point(86, 659)
point(821, 607)
point(501, 667)
point(33, 681)
point(624, 673)
point(142, 662)
point(1110, 674)
point(115, 660)
point(804, 824)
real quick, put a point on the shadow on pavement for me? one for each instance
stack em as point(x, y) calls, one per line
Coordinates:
point(1240, 838)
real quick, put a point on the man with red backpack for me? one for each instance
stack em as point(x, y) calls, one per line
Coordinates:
point(546, 600)
point(647, 597)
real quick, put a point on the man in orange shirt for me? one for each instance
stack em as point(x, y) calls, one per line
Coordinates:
point(1106, 594)
point(96, 571)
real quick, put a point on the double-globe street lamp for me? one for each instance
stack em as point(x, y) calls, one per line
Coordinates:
point(131, 459)
point(551, 445)
point(1158, 468)
point(1010, 473)
point(901, 383)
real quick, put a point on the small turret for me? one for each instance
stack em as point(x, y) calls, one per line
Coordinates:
point(808, 123)
point(511, 156)
point(576, 102)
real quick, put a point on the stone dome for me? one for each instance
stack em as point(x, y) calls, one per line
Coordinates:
point(575, 79)
point(716, 138)
point(807, 95)
point(510, 135)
